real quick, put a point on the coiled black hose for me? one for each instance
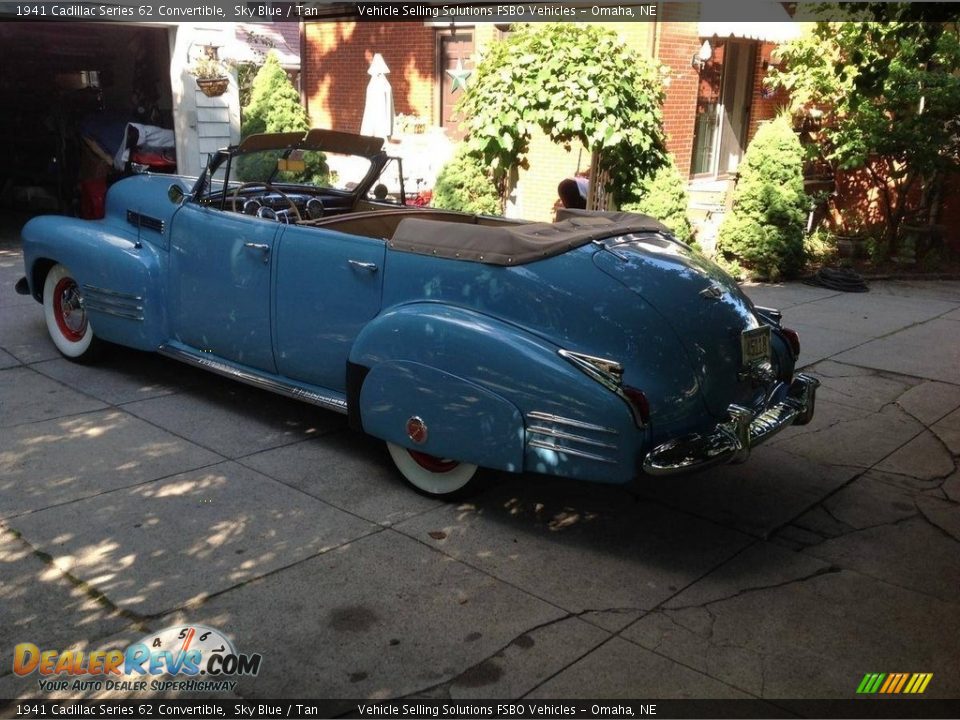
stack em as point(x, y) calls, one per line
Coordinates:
point(842, 279)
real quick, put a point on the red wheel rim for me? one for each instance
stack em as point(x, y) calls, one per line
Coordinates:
point(432, 463)
point(68, 311)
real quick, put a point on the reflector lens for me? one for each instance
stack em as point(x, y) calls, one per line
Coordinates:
point(638, 400)
point(793, 339)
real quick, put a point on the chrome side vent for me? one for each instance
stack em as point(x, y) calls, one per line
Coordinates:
point(145, 221)
point(568, 436)
point(111, 302)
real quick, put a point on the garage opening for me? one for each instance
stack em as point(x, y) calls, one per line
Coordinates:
point(77, 98)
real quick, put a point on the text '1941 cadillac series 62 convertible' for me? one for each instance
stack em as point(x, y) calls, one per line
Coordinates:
point(596, 347)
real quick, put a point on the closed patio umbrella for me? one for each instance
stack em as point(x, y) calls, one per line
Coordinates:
point(378, 109)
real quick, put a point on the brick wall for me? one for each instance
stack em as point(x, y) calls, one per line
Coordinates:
point(335, 62)
point(763, 108)
point(677, 43)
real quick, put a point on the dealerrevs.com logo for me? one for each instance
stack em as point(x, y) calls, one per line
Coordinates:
point(181, 657)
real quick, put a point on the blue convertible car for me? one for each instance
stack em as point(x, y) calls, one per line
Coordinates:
point(595, 347)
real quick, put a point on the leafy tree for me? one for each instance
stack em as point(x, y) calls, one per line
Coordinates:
point(464, 184)
point(663, 195)
point(889, 92)
point(764, 230)
point(575, 82)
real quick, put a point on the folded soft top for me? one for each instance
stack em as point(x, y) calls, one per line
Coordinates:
point(515, 244)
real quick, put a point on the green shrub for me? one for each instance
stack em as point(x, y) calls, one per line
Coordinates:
point(663, 196)
point(275, 107)
point(464, 184)
point(764, 231)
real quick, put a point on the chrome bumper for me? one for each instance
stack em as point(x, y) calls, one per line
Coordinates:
point(731, 441)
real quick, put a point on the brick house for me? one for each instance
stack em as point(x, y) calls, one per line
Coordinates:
point(714, 96)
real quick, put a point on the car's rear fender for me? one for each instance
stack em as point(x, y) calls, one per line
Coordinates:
point(489, 393)
point(119, 277)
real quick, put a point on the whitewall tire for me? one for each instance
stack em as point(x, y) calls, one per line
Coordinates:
point(433, 476)
point(66, 317)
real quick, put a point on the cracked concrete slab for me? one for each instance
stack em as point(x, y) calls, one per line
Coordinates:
point(629, 554)
point(619, 669)
point(910, 553)
point(161, 545)
point(26, 396)
point(235, 420)
point(7, 360)
point(858, 387)
point(526, 662)
point(812, 633)
point(757, 497)
point(23, 334)
point(33, 592)
point(948, 430)
point(347, 470)
point(58, 461)
point(868, 502)
point(917, 350)
point(818, 343)
point(382, 617)
point(870, 314)
point(951, 487)
point(925, 458)
point(124, 375)
point(930, 401)
point(849, 437)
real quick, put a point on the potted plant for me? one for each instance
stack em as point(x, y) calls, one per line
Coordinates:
point(212, 78)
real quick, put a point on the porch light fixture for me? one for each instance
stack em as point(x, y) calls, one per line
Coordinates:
point(702, 55)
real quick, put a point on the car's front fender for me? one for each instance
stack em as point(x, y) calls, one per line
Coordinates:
point(120, 278)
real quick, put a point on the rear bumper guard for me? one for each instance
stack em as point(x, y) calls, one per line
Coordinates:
point(731, 441)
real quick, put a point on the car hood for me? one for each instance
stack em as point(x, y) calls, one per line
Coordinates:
point(706, 308)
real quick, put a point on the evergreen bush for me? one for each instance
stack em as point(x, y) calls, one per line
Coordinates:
point(764, 231)
point(663, 195)
point(275, 107)
point(465, 184)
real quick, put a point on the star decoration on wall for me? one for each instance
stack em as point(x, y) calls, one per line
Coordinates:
point(459, 76)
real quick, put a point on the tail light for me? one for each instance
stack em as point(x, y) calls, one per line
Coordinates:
point(639, 404)
point(793, 340)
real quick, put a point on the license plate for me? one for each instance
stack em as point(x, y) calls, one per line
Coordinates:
point(755, 345)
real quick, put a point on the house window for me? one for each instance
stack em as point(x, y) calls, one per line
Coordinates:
point(455, 67)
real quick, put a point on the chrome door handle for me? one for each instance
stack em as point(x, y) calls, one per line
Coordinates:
point(371, 267)
point(263, 247)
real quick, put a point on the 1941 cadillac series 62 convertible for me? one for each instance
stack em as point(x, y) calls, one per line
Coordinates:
point(596, 347)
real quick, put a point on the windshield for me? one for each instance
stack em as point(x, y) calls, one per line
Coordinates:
point(300, 167)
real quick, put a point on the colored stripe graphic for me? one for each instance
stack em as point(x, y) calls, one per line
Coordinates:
point(894, 683)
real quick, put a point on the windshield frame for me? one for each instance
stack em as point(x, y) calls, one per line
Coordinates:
point(368, 148)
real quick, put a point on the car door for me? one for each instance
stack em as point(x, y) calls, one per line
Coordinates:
point(220, 280)
point(328, 287)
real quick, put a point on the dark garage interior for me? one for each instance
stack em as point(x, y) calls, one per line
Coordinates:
point(69, 91)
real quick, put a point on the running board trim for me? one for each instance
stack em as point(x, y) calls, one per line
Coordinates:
point(328, 402)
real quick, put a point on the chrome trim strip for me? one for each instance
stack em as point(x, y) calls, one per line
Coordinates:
point(118, 311)
point(537, 415)
point(608, 373)
point(111, 302)
point(568, 451)
point(540, 430)
point(286, 389)
point(105, 291)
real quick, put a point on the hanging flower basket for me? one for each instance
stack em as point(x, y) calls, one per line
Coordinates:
point(213, 87)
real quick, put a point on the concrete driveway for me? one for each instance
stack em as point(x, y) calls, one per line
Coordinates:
point(141, 493)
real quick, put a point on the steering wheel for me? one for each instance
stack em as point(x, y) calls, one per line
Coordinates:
point(267, 187)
